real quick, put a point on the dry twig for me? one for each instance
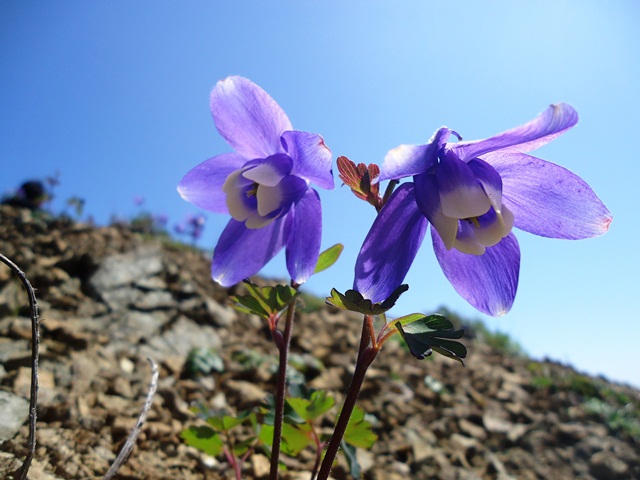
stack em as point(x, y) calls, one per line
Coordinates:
point(21, 473)
point(133, 436)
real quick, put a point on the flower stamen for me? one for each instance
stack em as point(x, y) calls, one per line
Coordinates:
point(253, 190)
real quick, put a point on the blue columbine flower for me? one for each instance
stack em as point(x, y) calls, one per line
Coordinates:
point(472, 194)
point(264, 185)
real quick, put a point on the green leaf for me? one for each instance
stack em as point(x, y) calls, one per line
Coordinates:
point(310, 409)
point(301, 407)
point(328, 257)
point(358, 432)
point(240, 448)
point(265, 301)
point(429, 333)
point(295, 438)
point(355, 302)
point(352, 459)
point(266, 437)
point(408, 319)
point(201, 361)
point(321, 402)
point(204, 439)
point(224, 423)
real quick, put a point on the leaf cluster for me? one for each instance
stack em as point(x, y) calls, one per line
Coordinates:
point(352, 300)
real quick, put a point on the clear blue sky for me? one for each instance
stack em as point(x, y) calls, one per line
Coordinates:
point(114, 96)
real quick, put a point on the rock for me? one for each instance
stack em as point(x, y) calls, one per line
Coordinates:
point(183, 336)
point(261, 465)
point(471, 429)
point(605, 466)
point(248, 393)
point(126, 269)
point(15, 412)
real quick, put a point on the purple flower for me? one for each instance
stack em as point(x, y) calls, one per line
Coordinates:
point(472, 194)
point(264, 185)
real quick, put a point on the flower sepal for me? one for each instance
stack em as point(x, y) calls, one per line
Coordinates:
point(425, 334)
point(353, 301)
point(266, 302)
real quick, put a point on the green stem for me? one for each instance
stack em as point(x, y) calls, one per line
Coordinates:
point(281, 387)
point(366, 356)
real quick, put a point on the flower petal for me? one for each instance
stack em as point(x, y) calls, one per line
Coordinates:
point(390, 246)
point(270, 171)
point(311, 157)
point(551, 123)
point(489, 281)
point(304, 227)
point(466, 240)
point(409, 160)
point(490, 180)
point(242, 252)
point(247, 117)
point(428, 200)
point(240, 203)
point(289, 190)
point(202, 186)
point(461, 193)
point(547, 199)
point(494, 226)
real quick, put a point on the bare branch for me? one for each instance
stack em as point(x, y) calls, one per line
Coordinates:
point(35, 347)
point(133, 436)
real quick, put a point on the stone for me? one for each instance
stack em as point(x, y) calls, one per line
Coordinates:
point(15, 412)
point(260, 465)
point(125, 269)
point(606, 466)
point(248, 393)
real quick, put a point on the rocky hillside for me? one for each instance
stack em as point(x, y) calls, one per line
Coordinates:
point(110, 297)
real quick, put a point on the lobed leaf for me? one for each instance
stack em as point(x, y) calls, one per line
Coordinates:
point(428, 333)
point(352, 459)
point(265, 301)
point(358, 432)
point(204, 439)
point(352, 300)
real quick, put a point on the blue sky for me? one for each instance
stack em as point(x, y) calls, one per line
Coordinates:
point(114, 96)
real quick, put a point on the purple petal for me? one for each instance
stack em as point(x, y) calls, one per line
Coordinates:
point(202, 186)
point(489, 281)
point(282, 196)
point(242, 252)
point(490, 180)
point(550, 124)
point(547, 199)
point(409, 160)
point(311, 157)
point(461, 194)
point(428, 200)
point(271, 170)
point(304, 231)
point(390, 246)
point(248, 118)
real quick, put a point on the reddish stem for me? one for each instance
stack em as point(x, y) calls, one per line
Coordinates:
point(283, 347)
point(366, 356)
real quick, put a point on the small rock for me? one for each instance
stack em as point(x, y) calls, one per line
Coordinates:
point(471, 429)
point(15, 412)
point(261, 465)
point(606, 466)
point(247, 391)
